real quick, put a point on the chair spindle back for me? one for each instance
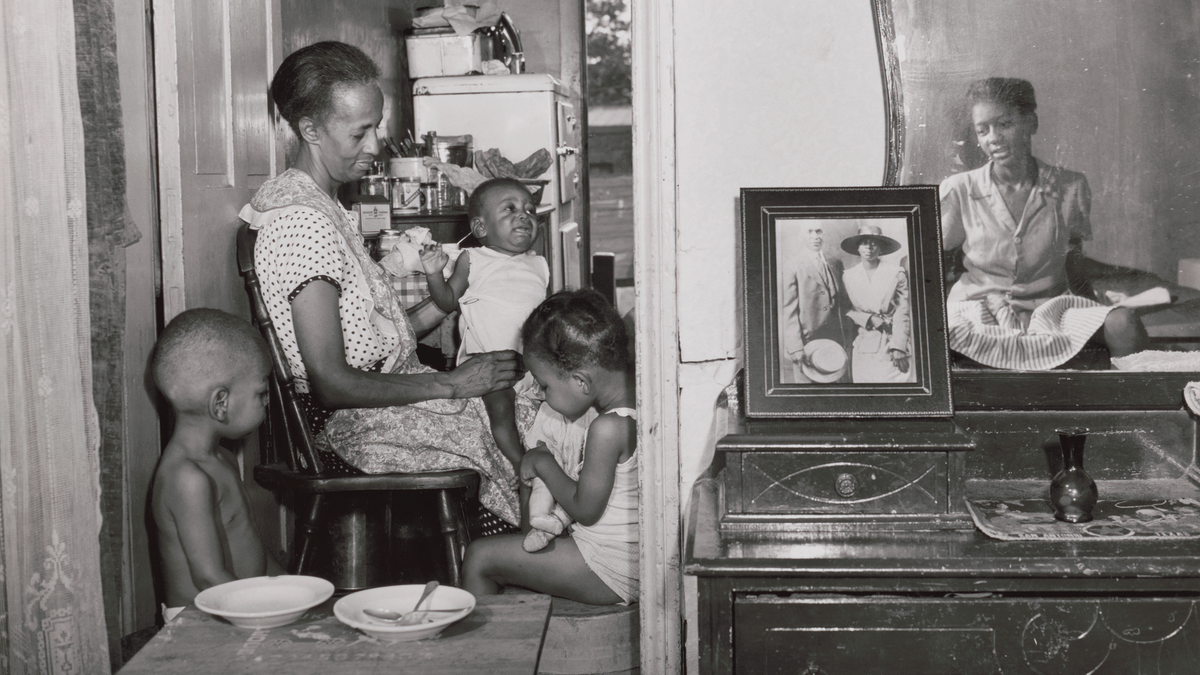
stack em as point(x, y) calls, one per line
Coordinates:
point(302, 454)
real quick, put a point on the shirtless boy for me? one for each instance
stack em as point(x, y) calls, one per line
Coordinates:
point(213, 368)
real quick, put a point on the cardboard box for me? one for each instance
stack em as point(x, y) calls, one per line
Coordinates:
point(373, 215)
point(444, 55)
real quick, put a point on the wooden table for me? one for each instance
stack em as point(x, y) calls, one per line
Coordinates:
point(502, 636)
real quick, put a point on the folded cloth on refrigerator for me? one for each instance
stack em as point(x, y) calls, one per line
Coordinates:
point(462, 18)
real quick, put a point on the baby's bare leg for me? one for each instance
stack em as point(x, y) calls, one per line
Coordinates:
point(502, 415)
point(559, 570)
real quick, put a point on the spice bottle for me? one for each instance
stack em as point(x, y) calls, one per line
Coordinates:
point(433, 189)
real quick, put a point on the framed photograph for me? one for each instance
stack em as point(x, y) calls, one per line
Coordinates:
point(844, 310)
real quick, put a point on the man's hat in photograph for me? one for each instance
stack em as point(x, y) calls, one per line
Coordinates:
point(824, 361)
point(873, 232)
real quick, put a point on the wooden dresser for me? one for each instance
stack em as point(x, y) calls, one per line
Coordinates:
point(856, 589)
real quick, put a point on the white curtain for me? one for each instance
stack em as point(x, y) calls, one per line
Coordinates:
point(51, 609)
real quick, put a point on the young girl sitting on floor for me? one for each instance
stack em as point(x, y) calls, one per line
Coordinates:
point(577, 348)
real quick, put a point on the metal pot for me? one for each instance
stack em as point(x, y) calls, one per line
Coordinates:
point(450, 149)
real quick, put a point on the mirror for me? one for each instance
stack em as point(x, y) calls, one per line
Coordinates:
point(1118, 99)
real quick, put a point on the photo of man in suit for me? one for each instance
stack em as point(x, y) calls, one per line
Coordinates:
point(814, 311)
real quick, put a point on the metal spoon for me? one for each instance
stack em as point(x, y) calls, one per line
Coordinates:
point(396, 617)
point(389, 616)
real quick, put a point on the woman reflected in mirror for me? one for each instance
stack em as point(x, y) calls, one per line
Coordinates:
point(1019, 224)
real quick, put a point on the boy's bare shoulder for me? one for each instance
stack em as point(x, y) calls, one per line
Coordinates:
point(179, 479)
point(181, 473)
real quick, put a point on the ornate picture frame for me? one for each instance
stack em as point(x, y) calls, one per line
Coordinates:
point(845, 312)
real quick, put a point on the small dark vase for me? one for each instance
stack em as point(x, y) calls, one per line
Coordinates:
point(1073, 493)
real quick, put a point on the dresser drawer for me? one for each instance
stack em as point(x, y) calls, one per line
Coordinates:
point(762, 486)
point(896, 635)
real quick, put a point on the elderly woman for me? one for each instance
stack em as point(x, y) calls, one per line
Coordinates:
point(1018, 222)
point(879, 299)
point(349, 341)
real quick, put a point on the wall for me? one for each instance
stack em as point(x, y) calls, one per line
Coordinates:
point(794, 98)
point(375, 26)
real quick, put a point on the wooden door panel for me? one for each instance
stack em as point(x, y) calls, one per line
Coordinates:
point(251, 39)
point(217, 143)
point(210, 74)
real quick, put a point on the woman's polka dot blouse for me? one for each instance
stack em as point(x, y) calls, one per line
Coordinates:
point(301, 247)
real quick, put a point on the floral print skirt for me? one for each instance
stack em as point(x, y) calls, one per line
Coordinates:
point(438, 435)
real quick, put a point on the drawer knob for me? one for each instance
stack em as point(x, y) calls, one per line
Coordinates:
point(846, 484)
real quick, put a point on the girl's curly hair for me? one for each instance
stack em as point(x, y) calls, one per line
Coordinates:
point(573, 329)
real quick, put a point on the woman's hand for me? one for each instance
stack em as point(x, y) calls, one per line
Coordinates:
point(485, 373)
point(529, 462)
point(899, 359)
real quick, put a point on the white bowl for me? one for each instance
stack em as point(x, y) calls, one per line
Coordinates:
point(349, 610)
point(264, 602)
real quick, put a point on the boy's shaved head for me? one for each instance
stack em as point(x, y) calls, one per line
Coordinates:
point(201, 349)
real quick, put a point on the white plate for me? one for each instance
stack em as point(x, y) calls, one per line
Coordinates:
point(349, 610)
point(264, 602)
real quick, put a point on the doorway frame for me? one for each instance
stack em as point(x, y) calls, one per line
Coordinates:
point(656, 312)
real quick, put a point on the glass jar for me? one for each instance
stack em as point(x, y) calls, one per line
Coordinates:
point(376, 183)
point(432, 190)
point(385, 243)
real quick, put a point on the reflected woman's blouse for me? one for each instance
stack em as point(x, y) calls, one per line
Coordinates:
point(1025, 260)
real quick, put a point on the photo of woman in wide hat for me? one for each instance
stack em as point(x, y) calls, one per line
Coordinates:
point(879, 296)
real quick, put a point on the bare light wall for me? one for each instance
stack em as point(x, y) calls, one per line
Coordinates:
point(791, 97)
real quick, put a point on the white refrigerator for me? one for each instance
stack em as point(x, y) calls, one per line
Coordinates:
point(517, 115)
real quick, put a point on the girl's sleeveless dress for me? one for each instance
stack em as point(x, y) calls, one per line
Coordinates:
point(610, 545)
